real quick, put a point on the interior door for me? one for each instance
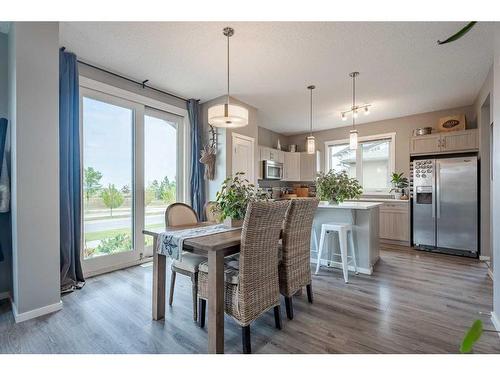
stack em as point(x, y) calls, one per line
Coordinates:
point(243, 158)
point(457, 203)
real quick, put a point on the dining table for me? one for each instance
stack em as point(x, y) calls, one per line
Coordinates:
point(215, 247)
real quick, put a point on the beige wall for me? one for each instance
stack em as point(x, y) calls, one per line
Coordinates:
point(223, 166)
point(269, 138)
point(403, 127)
point(482, 109)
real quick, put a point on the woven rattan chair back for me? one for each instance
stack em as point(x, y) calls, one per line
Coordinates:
point(258, 266)
point(295, 267)
point(179, 214)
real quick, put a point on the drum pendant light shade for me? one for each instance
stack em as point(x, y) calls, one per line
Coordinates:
point(227, 115)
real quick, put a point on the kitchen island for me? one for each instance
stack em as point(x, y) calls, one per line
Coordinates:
point(364, 216)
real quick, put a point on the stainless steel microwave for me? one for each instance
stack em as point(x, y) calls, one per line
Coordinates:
point(272, 170)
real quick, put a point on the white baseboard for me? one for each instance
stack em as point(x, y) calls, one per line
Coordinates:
point(333, 264)
point(496, 322)
point(21, 317)
point(4, 295)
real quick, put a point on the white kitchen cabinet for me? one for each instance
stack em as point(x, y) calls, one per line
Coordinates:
point(307, 166)
point(267, 153)
point(425, 144)
point(465, 140)
point(291, 167)
point(395, 221)
point(454, 141)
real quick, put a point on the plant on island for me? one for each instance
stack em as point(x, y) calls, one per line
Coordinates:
point(336, 187)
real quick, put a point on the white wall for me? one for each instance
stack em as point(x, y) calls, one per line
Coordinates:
point(496, 181)
point(483, 116)
point(33, 111)
point(224, 165)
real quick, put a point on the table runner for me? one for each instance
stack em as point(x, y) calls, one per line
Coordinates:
point(170, 242)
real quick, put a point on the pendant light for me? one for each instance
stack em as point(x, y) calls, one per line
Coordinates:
point(311, 141)
point(227, 115)
point(353, 134)
point(354, 111)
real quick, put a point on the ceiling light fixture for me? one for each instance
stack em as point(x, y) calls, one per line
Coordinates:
point(311, 141)
point(353, 134)
point(227, 115)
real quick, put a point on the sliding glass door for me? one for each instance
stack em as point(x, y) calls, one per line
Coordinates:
point(161, 165)
point(132, 170)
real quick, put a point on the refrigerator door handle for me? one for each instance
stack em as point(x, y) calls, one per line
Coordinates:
point(438, 188)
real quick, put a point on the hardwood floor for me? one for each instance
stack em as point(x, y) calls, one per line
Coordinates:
point(415, 302)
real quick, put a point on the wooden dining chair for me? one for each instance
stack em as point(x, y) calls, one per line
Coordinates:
point(210, 213)
point(295, 249)
point(251, 277)
point(179, 214)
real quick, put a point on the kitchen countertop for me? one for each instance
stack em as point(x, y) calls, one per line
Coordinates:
point(351, 205)
point(390, 200)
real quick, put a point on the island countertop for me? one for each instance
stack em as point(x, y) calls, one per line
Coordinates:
point(351, 205)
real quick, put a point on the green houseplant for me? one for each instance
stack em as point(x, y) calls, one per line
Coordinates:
point(232, 199)
point(335, 187)
point(399, 184)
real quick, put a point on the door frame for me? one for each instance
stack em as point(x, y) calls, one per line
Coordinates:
point(139, 104)
point(252, 141)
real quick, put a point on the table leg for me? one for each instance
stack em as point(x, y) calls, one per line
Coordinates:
point(159, 278)
point(215, 302)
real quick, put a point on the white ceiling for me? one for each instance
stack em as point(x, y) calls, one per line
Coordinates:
point(403, 70)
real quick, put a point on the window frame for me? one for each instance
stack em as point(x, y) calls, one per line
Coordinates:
point(140, 105)
point(359, 157)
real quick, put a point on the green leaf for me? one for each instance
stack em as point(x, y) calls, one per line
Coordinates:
point(471, 336)
point(459, 34)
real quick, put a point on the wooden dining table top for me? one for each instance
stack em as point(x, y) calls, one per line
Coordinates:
point(210, 242)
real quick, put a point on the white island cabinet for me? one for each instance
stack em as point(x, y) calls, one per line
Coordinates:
point(364, 216)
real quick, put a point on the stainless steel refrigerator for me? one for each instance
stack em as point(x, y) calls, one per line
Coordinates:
point(445, 205)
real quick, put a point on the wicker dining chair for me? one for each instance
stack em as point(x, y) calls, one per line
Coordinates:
point(295, 263)
point(210, 213)
point(179, 214)
point(251, 277)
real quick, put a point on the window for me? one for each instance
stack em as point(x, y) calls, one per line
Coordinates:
point(133, 166)
point(372, 163)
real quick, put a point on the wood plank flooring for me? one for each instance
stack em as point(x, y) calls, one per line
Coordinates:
point(415, 302)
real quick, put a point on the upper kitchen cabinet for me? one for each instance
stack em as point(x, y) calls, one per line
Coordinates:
point(455, 141)
point(466, 140)
point(307, 166)
point(267, 153)
point(291, 168)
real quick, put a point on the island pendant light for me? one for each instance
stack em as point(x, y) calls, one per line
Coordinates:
point(227, 115)
point(353, 134)
point(311, 141)
point(354, 111)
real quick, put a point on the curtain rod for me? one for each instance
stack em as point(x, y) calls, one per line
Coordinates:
point(142, 84)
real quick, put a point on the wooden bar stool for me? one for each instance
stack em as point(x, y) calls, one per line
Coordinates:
point(344, 232)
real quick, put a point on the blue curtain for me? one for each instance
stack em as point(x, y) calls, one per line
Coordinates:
point(197, 168)
point(69, 172)
point(3, 136)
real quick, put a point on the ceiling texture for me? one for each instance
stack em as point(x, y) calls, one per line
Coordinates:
point(402, 69)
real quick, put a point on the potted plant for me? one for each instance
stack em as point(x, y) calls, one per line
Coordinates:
point(399, 184)
point(232, 199)
point(335, 187)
